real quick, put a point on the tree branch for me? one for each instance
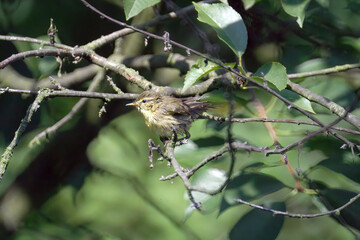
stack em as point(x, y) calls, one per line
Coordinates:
point(332, 106)
point(6, 156)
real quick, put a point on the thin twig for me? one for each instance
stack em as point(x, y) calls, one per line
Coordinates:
point(336, 69)
point(73, 93)
point(34, 40)
point(38, 53)
point(300, 215)
point(290, 121)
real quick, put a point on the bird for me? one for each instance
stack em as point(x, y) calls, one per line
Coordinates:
point(168, 116)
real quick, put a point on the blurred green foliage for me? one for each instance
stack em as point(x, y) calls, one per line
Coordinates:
point(92, 180)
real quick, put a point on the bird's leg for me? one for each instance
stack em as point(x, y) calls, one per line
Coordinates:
point(164, 140)
point(174, 136)
point(187, 135)
point(184, 139)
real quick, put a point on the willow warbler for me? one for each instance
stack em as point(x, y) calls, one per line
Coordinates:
point(167, 116)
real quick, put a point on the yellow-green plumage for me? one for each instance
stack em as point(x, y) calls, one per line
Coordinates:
point(165, 114)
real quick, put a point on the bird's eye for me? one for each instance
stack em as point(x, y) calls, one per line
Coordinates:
point(143, 101)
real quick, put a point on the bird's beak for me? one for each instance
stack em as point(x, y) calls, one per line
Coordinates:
point(132, 104)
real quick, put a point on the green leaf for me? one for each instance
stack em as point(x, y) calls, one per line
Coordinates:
point(323, 3)
point(224, 2)
point(339, 197)
point(134, 7)
point(248, 3)
point(249, 187)
point(295, 8)
point(227, 23)
point(352, 42)
point(259, 224)
point(209, 179)
point(209, 141)
point(297, 100)
point(348, 169)
point(197, 72)
point(31, 63)
point(353, 6)
point(304, 104)
point(38, 66)
point(275, 73)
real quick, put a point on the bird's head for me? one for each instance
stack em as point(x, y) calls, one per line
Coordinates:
point(147, 102)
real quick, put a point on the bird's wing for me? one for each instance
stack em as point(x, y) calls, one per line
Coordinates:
point(174, 106)
point(196, 107)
